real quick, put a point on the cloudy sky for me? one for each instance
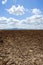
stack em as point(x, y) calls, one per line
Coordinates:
point(21, 14)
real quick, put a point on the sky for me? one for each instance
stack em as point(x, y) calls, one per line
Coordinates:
point(21, 14)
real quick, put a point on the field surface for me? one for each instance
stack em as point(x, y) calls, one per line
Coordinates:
point(21, 47)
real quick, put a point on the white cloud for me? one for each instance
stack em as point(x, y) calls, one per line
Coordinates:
point(36, 11)
point(35, 18)
point(16, 10)
point(32, 22)
point(4, 1)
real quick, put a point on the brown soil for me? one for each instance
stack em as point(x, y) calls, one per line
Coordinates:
point(22, 47)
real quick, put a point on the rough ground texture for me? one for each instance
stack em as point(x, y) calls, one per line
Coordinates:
point(21, 47)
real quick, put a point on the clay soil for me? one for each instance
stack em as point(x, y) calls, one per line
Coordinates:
point(21, 47)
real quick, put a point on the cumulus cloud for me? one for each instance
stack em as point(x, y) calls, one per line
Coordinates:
point(16, 10)
point(32, 22)
point(4, 1)
point(36, 11)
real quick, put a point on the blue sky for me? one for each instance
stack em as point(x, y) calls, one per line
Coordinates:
point(21, 14)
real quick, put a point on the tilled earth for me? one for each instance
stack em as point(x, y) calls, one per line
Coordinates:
point(22, 47)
